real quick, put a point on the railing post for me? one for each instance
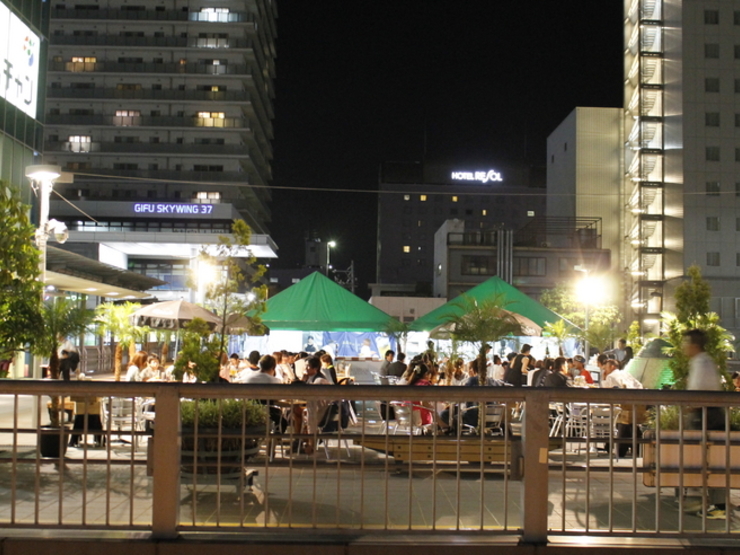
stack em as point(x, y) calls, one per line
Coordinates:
point(166, 475)
point(535, 435)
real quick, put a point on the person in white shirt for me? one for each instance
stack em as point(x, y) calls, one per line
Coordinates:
point(266, 373)
point(704, 376)
point(137, 363)
point(151, 370)
point(630, 416)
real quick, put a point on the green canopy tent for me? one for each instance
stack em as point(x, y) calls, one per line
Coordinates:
point(316, 303)
point(518, 304)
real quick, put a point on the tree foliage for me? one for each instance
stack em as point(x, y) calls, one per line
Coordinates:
point(481, 323)
point(115, 319)
point(62, 318)
point(692, 296)
point(692, 312)
point(560, 331)
point(603, 320)
point(200, 347)
point(20, 288)
point(236, 278)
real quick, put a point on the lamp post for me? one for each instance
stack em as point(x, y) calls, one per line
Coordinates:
point(590, 292)
point(329, 245)
point(43, 176)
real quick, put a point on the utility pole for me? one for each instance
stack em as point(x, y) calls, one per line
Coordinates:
point(346, 278)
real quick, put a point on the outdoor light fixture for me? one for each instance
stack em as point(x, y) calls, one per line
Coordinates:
point(329, 245)
point(591, 291)
point(42, 178)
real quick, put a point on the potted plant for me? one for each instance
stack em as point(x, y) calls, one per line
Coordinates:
point(681, 446)
point(218, 436)
point(61, 318)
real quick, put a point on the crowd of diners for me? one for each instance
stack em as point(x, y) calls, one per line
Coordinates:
point(517, 369)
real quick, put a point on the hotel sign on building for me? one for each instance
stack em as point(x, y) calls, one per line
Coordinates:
point(19, 62)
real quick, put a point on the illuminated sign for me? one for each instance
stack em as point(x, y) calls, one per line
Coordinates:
point(19, 62)
point(172, 208)
point(483, 177)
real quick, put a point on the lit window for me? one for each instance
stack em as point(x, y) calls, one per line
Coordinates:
point(295, 280)
point(214, 88)
point(423, 198)
point(530, 213)
point(79, 143)
point(212, 115)
point(484, 212)
point(454, 199)
point(85, 60)
point(406, 197)
point(419, 223)
point(214, 14)
point(183, 61)
point(126, 117)
point(406, 248)
point(207, 196)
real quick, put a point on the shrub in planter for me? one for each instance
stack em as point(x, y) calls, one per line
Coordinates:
point(670, 415)
point(227, 427)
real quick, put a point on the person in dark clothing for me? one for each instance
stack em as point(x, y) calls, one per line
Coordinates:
point(559, 377)
point(69, 362)
point(519, 367)
point(398, 367)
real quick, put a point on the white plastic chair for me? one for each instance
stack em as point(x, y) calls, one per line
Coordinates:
point(123, 414)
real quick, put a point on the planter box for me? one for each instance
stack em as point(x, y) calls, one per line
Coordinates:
point(713, 451)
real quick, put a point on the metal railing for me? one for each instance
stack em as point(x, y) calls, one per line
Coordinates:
point(551, 465)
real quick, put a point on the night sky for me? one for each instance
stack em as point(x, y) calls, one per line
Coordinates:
point(358, 82)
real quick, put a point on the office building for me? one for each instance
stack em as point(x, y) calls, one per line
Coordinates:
point(537, 257)
point(416, 199)
point(679, 194)
point(162, 109)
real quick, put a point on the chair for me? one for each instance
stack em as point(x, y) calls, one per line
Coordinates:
point(603, 422)
point(124, 414)
point(338, 416)
point(407, 417)
point(494, 419)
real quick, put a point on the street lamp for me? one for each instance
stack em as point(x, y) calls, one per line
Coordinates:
point(43, 176)
point(591, 291)
point(329, 245)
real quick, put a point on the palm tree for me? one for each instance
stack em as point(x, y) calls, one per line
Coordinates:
point(480, 323)
point(62, 318)
point(560, 330)
point(116, 320)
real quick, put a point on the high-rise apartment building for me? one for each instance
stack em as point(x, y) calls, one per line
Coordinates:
point(163, 111)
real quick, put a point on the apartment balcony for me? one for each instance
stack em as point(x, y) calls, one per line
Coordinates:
point(105, 147)
point(150, 94)
point(147, 42)
point(241, 124)
point(240, 70)
point(152, 15)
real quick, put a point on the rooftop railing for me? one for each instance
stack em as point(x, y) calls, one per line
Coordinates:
point(548, 465)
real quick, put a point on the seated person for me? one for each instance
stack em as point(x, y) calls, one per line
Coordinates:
point(266, 375)
point(559, 377)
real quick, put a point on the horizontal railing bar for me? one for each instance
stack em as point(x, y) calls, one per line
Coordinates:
point(368, 392)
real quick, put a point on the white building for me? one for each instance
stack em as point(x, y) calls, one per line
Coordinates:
point(680, 159)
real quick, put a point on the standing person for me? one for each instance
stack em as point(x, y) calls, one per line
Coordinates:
point(387, 360)
point(736, 380)
point(398, 367)
point(519, 367)
point(704, 376)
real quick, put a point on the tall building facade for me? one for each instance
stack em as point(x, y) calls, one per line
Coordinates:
point(23, 26)
point(163, 111)
point(682, 155)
